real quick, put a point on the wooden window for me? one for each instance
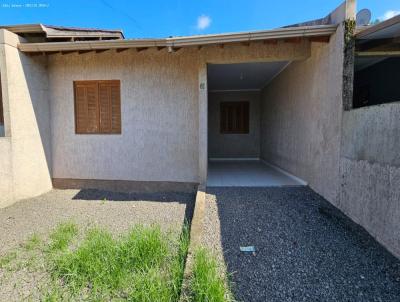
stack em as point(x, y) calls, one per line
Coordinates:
point(97, 107)
point(234, 117)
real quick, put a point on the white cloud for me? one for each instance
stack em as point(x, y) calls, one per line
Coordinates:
point(203, 22)
point(389, 14)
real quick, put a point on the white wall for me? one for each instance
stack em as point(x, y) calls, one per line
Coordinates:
point(233, 145)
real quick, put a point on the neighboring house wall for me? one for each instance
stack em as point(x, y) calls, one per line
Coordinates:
point(370, 171)
point(27, 122)
point(301, 116)
point(233, 145)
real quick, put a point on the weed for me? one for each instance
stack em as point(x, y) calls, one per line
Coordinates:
point(7, 259)
point(207, 284)
point(62, 236)
point(144, 265)
point(32, 243)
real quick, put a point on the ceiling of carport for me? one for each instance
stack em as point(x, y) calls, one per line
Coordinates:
point(242, 76)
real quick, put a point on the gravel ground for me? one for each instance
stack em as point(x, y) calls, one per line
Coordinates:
point(26, 279)
point(115, 211)
point(307, 250)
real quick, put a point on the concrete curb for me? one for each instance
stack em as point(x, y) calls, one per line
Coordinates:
point(196, 233)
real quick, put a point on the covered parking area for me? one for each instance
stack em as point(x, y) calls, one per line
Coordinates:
point(234, 125)
point(274, 119)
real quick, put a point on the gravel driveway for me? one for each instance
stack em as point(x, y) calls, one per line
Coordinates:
point(306, 249)
point(115, 211)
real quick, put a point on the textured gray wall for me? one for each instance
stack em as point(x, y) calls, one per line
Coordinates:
point(301, 115)
point(233, 145)
point(370, 171)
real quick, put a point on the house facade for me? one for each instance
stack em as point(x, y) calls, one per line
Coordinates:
point(90, 109)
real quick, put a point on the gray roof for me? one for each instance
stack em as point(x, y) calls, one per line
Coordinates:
point(60, 32)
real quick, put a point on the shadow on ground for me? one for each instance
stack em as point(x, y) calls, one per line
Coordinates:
point(184, 198)
point(307, 250)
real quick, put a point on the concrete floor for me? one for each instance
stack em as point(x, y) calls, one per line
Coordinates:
point(247, 173)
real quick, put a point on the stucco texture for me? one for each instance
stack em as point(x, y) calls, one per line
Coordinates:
point(160, 101)
point(301, 117)
point(26, 117)
point(370, 170)
point(159, 118)
point(233, 145)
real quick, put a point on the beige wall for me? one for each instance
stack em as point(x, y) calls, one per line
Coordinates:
point(301, 116)
point(233, 145)
point(6, 173)
point(159, 118)
point(27, 127)
point(163, 131)
point(370, 171)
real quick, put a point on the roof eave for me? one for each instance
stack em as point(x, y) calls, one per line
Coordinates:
point(363, 34)
point(281, 33)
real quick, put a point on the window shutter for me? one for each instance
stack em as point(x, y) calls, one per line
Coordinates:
point(115, 92)
point(234, 117)
point(110, 107)
point(80, 109)
point(105, 107)
point(97, 107)
point(93, 108)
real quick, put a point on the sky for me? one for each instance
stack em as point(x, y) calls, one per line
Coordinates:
point(156, 18)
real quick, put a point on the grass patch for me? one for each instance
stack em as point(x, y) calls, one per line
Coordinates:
point(32, 243)
point(144, 265)
point(207, 284)
point(7, 259)
point(61, 237)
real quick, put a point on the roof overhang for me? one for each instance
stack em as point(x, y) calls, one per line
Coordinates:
point(382, 39)
point(178, 42)
point(66, 33)
point(386, 29)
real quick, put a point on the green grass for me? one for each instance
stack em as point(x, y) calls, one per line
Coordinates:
point(7, 259)
point(207, 285)
point(62, 236)
point(144, 265)
point(32, 243)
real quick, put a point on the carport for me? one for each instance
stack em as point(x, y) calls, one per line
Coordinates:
point(234, 126)
point(377, 64)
